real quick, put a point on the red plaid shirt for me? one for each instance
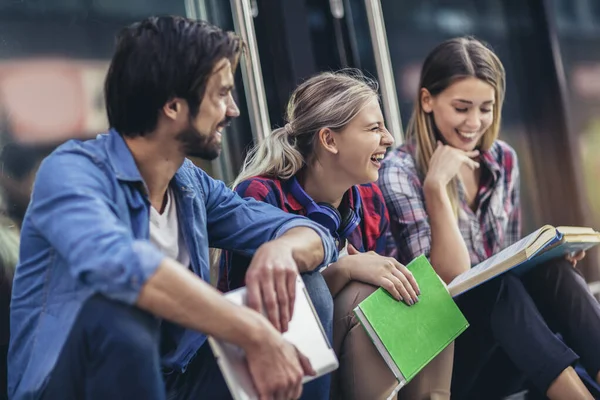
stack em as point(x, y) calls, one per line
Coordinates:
point(372, 234)
point(495, 224)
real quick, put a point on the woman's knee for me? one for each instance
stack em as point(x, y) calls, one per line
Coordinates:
point(510, 287)
point(351, 296)
point(434, 380)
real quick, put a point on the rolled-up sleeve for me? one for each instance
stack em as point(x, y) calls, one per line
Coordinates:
point(404, 198)
point(242, 225)
point(72, 209)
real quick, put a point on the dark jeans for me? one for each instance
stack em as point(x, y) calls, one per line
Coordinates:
point(112, 352)
point(512, 342)
point(3, 371)
point(319, 293)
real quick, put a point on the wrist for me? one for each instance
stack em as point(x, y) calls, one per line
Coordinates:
point(433, 186)
point(256, 328)
point(305, 247)
point(342, 268)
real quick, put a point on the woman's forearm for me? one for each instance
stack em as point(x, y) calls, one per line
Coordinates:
point(449, 254)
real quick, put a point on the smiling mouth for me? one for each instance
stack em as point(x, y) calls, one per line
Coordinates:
point(467, 135)
point(223, 125)
point(377, 158)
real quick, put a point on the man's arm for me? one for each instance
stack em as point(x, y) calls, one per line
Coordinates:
point(176, 294)
point(72, 209)
point(281, 245)
point(243, 225)
point(306, 246)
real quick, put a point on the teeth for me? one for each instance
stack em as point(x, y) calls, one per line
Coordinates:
point(377, 157)
point(468, 135)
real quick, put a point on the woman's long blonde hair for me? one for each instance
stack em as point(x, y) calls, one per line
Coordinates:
point(328, 100)
point(450, 61)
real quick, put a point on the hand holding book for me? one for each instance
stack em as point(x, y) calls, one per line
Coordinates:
point(544, 244)
point(380, 271)
point(575, 257)
point(273, 363)
point(408, 338)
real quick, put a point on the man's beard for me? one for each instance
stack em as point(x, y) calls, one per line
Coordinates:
point(197, 144)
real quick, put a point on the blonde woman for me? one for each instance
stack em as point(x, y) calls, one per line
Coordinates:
point(323, 164)
point(453, 193)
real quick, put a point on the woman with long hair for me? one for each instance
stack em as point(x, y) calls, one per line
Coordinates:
point(453, 194)
point(323, 164)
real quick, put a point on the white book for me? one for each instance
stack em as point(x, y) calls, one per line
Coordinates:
point(544, 244)
point(304, 331)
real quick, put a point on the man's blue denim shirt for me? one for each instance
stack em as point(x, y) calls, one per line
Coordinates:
point(86, 231)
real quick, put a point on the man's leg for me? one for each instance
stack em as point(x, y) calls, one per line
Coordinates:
point(563, 298)
point(201, 380)
point(111, 353)
point(320, 296)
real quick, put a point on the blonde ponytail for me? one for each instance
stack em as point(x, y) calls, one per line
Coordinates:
point(276, 157)
point(328, 100)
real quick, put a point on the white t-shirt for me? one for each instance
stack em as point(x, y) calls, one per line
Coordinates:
point(165, 233)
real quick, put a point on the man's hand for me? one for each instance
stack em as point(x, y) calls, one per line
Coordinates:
point(277, 367)
point(574, 258)
point(271, 282)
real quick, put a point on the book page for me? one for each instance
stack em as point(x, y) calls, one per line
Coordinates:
point(576, 230)
point(496, 259)
point(574, 234)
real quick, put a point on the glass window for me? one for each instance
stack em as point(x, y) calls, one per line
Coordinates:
point(414, 28)
point(53, 60)
point(578, 24)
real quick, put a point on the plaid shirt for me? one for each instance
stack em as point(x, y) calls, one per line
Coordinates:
point(372, 234)
point(495, 224)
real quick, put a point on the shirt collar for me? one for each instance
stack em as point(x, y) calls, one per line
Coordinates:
point(123, 164)
point(120, 158)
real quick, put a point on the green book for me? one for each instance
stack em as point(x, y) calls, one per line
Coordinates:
point(409, 337)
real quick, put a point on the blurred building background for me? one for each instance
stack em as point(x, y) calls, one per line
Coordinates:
point(54, 55)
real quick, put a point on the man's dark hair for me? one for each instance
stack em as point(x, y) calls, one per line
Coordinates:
point(158, 59)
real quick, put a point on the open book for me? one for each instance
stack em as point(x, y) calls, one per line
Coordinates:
point(304, 331)
point(408, 338)
point(542, 245)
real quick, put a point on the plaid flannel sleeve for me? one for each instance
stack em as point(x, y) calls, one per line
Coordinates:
point(513, 231)
point(403, 196)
